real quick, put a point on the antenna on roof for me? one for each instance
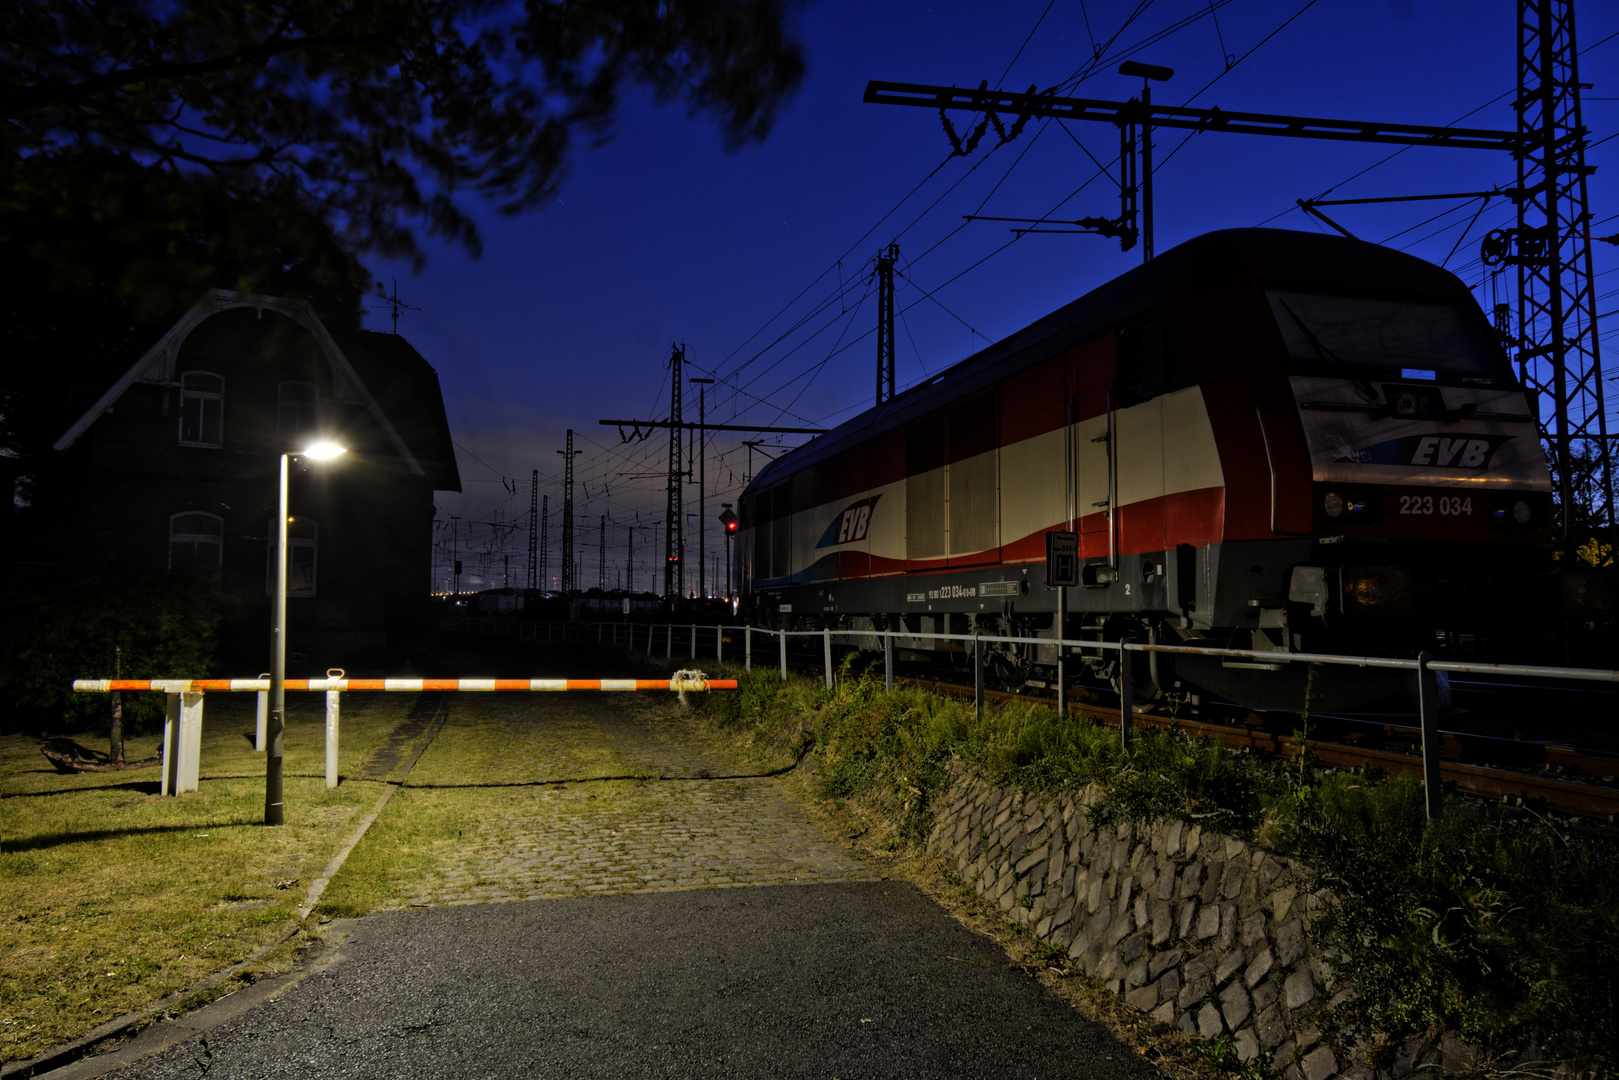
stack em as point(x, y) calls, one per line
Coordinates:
point(397, 305)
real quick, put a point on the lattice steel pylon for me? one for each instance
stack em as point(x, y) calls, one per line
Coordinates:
point(1558, 353)
point(674, 579)
point(885, 323)
point(533, 529)
point(545, 541)
point(567, 516)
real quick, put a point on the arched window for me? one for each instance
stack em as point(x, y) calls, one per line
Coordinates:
point(195, 543)
point(302, 533)
point(202, 409)
point(296, 409)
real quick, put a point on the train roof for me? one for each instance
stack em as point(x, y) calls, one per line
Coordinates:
point(1300, 259)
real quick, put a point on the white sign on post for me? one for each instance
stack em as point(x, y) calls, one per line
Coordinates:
point(626, 605)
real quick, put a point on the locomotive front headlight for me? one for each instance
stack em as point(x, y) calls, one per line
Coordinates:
point(1333, 504)
point(1521, 512)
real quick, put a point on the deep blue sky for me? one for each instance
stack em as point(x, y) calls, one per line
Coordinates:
point(660, 236)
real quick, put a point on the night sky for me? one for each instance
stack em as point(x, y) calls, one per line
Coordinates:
point(760, 261)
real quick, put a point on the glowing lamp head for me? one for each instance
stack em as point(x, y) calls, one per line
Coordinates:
point(322, 451)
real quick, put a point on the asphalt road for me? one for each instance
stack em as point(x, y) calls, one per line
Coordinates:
point(859, 980)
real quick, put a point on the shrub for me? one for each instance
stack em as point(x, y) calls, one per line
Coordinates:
point(164, 626)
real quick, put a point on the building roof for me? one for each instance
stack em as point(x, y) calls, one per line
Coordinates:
point(381, 372)
point(406, 387)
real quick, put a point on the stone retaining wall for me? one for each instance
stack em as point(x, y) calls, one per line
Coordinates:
point(1195, 928)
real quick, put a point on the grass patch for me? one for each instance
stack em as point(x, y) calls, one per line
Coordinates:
point(1497, 926)
point(113, 896)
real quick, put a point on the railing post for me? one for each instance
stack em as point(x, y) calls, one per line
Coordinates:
point(888, 660)
point(1062, 653)
point(747, 648)
point(1127, 696)
point(261, 726)
point(783, 640)
point(978, 676)
point(826, 641)
point(1428, 710)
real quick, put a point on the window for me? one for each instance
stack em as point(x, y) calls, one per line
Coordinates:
point(195, 541)
point(301, 537)
point(1359, 337)
point(296, 412)
point(202, 409)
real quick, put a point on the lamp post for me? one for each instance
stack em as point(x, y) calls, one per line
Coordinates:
point(274, 812)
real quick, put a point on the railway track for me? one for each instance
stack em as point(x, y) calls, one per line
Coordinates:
point(1519, 773)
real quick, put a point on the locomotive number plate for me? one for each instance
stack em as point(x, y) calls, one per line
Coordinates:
point(1443, 505)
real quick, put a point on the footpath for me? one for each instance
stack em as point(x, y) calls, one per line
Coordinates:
point(707, 821)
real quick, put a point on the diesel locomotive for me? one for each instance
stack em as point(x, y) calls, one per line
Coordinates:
point(1263, 439)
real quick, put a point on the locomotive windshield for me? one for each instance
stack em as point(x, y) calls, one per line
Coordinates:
point(1373, 337)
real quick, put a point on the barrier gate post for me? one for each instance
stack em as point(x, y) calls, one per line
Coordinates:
point(783, 639)
point(747, 648)
point(262, 723)
point(332, 719)
point(694, 641)
point(826, 641)
point(719, 644)
point(888, 660)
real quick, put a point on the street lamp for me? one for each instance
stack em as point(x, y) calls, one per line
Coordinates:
point(274, 812)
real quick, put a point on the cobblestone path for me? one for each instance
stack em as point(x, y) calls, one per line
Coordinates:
point(668, 834)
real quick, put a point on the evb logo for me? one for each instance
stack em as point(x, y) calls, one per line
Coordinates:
point(851, 526)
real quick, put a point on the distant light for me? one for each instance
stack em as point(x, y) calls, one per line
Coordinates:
point(323, 451)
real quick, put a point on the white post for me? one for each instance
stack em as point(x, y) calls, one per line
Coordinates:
point(171, 745)
point(669, 644)
point(826, 639)
point(747, 648)
point(262, 727)
point(651, 632)
point(719, 643)
point(332, 704)
point(694, 641)
point(190, 755)
point(783, 656)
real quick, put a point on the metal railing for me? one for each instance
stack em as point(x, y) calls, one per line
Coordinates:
point(1423, 666)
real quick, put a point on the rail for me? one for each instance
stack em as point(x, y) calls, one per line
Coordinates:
point(1423, 666)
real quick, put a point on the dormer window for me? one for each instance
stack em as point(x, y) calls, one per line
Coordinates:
point(202, 409)
point(297, 408)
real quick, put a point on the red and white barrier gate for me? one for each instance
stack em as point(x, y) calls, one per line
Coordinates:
point(182, 725)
